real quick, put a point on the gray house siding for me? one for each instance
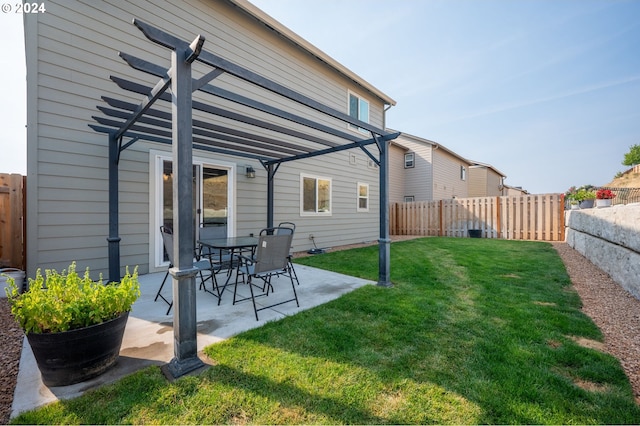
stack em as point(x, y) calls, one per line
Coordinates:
point(72, 50)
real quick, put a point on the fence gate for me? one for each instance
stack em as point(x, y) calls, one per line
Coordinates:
point(12, 221)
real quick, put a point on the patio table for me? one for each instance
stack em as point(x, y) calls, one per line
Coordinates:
point(234, 246)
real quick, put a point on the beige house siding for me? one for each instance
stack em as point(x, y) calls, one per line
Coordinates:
point(436, 174)
point(485, 181)
point(72, 50)
point(477, 181)
point(396, 173)
point(447, 179)
point(418, 179)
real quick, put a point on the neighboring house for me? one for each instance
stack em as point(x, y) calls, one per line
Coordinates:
point(485, 180)
point(71, 52)
point(513, 191)
point(423, 170)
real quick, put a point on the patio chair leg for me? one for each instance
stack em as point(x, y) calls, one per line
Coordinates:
point(292, 271)
point(214, 285)
point(158, 294)
point(253, 299)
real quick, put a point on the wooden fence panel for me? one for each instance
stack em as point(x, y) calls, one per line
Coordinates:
point(531, 217)
point(12, 221)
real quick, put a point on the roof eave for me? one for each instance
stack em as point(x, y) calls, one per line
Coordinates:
point(285, 32)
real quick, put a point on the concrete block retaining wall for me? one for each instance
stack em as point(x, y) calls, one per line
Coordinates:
point(610, 238)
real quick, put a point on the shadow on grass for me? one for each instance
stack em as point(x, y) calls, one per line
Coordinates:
point(475, 317)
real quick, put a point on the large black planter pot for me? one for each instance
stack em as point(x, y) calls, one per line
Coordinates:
point(77, 355)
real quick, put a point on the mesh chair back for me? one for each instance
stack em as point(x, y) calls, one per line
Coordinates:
point(289, 226)
point(272, 253)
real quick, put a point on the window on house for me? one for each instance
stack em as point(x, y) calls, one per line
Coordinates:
point(409, 198)
point(363, 197)
point(409, 160)
point(315, 195)
point(358, 108)
point(463, 173)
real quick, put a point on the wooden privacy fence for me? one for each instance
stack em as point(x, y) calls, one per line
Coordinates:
point(526, 217)
point(12, 221)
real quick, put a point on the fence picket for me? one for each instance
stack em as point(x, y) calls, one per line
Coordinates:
point(12, 222)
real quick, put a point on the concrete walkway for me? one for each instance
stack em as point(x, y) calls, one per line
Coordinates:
point(148, 338)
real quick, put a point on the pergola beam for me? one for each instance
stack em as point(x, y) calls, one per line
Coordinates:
point(201, 106)
point(200, 124)
point(165, 39)
point(146, 103)
point(156, 70)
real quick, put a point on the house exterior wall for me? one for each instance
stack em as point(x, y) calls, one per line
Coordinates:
point(494, 182)
point(71, 50)
point(478, 181)
point(418, 180)
point(447, 178)
point(396, 174)
point(484, 181)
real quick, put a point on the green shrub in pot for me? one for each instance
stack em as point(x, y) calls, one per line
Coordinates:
point(65, 301)
point(74, 325)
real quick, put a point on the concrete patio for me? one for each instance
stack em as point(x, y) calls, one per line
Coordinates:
point(148, 338)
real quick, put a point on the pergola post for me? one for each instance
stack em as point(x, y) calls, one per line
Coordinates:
point(384, 261)
point(271, 174)
point(183, 272)
point(114, 238)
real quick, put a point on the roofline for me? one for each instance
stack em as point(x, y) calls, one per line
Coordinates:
point(436, 145)
point(479, 164)
point(285, 32)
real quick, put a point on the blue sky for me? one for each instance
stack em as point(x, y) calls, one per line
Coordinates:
point(547, 91)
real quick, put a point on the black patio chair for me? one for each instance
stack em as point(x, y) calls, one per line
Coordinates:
point(289, 227)
point(204, 266)
point(271, 259)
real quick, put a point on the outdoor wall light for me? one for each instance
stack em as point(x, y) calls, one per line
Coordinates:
point(251, 173)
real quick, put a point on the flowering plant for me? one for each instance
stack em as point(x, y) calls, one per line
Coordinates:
point(604, 194)
point(585, 192)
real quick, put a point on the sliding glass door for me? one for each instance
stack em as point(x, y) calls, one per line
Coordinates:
point(212, 201)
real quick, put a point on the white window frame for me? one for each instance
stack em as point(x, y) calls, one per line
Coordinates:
point(409, 198)
point(156, 159)
point(360, 116)
point(409, 160)
point(463, 172)
point(360, 197)
point(304, 176)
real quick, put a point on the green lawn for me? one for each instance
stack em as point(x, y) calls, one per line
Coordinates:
point(474, 331)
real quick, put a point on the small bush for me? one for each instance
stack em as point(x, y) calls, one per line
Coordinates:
point(65, 301)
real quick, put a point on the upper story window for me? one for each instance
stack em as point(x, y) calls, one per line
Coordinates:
point(463, 173)
point(363, 197)
point(315, 196)
point(409, 160)
point(358, 108)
